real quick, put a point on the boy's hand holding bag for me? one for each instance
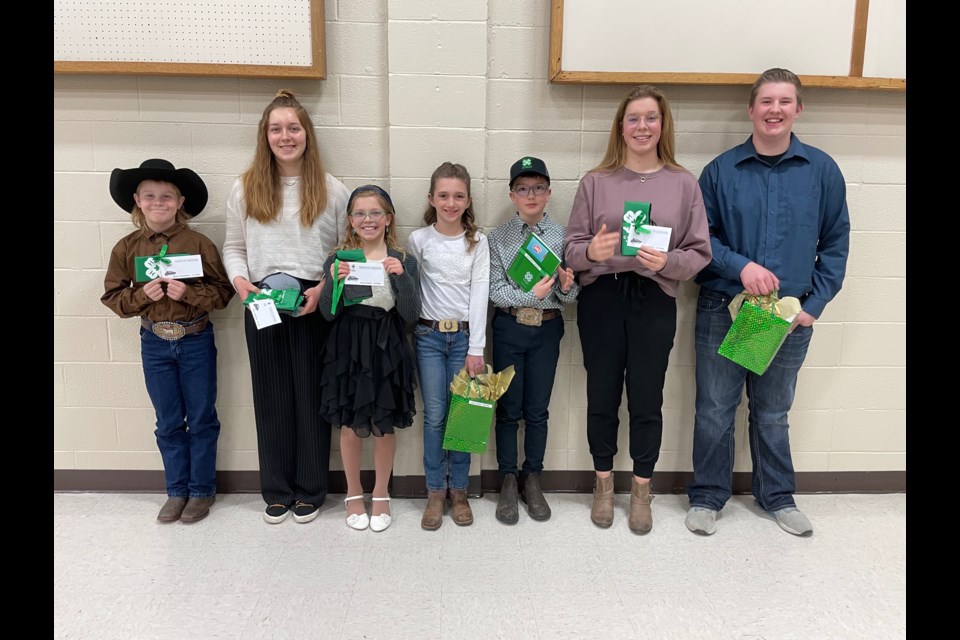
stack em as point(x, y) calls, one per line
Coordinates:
point(760, 327)
point(472, 403)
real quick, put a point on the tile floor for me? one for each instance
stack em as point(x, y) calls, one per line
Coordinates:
point(118, 574)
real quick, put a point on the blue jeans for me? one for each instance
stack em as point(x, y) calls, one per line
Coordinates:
point(533, 352)
point(181, 377)
point(439, 357)
point(720, 384)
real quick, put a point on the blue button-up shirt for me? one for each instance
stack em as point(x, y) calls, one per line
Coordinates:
point(791, 218)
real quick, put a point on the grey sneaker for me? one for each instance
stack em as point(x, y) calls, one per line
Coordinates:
point(701, 520)
point(793, 521)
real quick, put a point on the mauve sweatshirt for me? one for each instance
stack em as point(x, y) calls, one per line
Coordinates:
point(675, 202)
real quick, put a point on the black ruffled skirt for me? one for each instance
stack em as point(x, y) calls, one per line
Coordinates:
point(368, 372)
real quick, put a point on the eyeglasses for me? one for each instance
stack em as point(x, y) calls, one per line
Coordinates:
point(374, 215)
point(538, 189)
point(632, 121)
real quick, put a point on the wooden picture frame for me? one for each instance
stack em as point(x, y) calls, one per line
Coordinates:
point(854, 80)
point(317, 69)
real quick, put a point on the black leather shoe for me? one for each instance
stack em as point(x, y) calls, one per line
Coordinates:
point(537, 507)
point(507, 511)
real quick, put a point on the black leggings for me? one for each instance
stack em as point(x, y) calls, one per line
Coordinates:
point(627, 325)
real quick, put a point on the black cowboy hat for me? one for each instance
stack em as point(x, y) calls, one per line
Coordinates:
point(124, 183)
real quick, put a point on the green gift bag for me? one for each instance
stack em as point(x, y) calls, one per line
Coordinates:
point(468, 421)
point(755, 336)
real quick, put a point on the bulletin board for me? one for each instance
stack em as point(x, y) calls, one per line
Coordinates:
point(857, 44)
point(261, 38)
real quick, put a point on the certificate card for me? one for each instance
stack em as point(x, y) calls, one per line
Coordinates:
point(264, 312)
point(176, 266)
point(658, 238)
point(368, 273)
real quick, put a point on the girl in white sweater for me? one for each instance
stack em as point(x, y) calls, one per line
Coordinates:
point(284, 215)
point(451, 333)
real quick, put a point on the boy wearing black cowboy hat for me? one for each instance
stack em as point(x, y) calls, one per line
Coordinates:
point(176, 336)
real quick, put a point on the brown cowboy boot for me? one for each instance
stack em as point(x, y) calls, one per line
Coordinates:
point(537, 507)
point(459, 508)
point(197, 509)
point(433, 514)
point(602, 511)
point(172, 508)
point(641, 516)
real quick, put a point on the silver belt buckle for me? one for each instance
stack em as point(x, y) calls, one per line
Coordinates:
point(529, 316)
point(448, 326)
point(168, 330)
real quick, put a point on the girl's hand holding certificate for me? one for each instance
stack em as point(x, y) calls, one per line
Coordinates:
point(651, 258)
point(393, 266)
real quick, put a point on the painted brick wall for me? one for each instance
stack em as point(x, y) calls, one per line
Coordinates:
point(410, 84)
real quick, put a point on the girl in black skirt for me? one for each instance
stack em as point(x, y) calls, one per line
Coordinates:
point(368, 380)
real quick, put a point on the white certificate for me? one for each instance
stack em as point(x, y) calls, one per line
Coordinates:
point(182, 267)
point(264, 312)
point(368, 273)
point(658, 238)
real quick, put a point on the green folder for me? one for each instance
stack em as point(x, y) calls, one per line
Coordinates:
point(534, 261)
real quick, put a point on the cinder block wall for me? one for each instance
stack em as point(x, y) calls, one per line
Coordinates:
point(411, 84)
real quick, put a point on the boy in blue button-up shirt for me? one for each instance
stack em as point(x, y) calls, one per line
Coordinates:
point(778, 222)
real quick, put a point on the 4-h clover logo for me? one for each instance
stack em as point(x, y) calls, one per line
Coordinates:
point(526, 162)
point(527, 277)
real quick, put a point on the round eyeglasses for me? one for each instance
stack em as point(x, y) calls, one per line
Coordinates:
point(538, 189)
point(651, 120)
point(374, 215)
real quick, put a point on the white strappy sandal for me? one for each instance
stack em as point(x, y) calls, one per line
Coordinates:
point(357, 521)
point(382, 521)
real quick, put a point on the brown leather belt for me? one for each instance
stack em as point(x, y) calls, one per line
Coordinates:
point(445, 326)
point(523, 312)
point(175, 330)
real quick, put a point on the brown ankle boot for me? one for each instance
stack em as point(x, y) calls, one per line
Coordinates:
point(433, 514)
point(602, 511)
point(641, 517)
point(459, 508)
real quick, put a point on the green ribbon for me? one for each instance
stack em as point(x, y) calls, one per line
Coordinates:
point(638, 225)
point(349, 255)
point(151, 264)
point(160, 256)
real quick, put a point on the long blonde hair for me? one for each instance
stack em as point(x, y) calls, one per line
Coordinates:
point(616, 154)
point(261, 182)
point(352, 240)
point(468, 219)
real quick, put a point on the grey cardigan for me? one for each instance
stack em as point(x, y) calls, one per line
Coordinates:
point(406, 288)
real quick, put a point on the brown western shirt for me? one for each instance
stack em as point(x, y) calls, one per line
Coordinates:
point(125, 297)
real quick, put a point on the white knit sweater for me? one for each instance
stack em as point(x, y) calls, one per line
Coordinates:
point(255, 250)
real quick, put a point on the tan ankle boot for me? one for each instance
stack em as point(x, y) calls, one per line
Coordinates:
point(433, 514)
point(602, 511)
point(459, 508)
point(641, 516)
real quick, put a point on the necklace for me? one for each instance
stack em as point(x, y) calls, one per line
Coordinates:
point(290, 183)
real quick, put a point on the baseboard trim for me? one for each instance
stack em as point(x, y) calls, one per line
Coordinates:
point(130, 481)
